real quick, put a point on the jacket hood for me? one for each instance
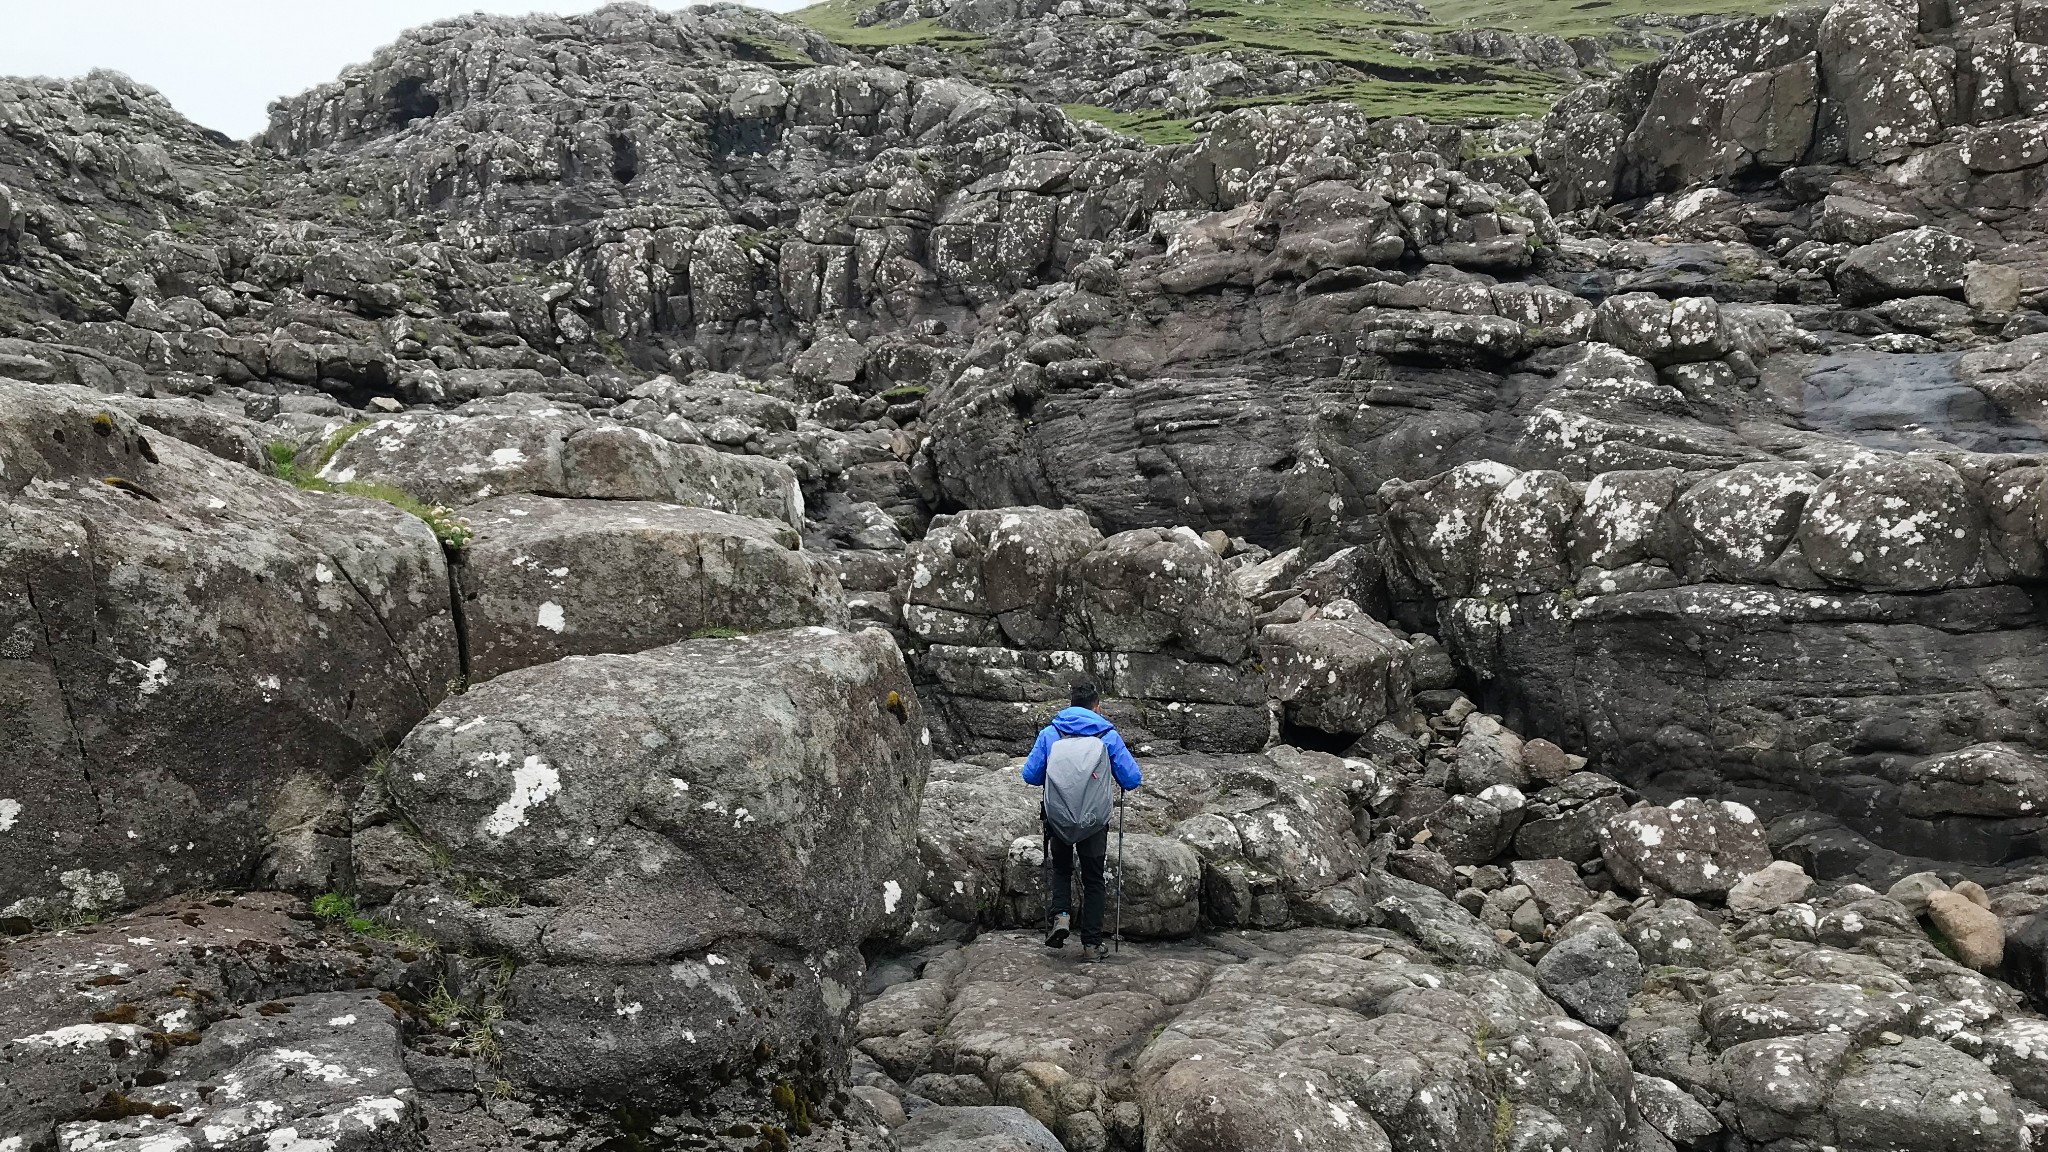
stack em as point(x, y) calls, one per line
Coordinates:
point(1081, 722)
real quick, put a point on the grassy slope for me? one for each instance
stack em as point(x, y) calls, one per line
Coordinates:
point(834, 20)
point(1568, 18)
point(1459, 90)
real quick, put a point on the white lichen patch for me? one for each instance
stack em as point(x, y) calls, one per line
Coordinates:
point(533, 782)
point(155, 675)
point(550, 617)
point(306, 1063)
point(81, 1036)
point(92, 890)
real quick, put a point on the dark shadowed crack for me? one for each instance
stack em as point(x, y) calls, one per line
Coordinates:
point(64, 694)
point(397, 650)
point(454, 565)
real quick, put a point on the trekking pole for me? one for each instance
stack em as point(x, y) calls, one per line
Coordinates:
point(1119, 874)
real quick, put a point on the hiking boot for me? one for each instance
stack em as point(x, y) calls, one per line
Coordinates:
point(1062, 926)
point(1094, 953)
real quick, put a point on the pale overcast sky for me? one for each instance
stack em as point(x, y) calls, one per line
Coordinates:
point(223, 61)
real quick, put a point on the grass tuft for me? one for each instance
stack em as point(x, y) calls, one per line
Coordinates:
point(477, 1021)
point(452, 530)
point(340, 437)
point(339, 909)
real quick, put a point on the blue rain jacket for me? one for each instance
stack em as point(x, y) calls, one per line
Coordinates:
point(1083, 722)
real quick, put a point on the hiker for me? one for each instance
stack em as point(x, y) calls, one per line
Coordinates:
point(1075, 759)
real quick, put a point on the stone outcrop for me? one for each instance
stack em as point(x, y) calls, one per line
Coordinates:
point(1000, 1020)
point(1852, 572)
point(544, 504)
point(163, 1011)
point(1853, 82)
point(1216, 841)
point(683, 848)
point(199, 660)
point(1008, 607)
point(545, 578)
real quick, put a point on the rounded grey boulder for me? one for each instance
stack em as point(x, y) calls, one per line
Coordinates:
point(1592, 971)
point(1692, 848)
point(683, 850)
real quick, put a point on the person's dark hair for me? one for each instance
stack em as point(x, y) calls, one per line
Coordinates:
point(1083, 694)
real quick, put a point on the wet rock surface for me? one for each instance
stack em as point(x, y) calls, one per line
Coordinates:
point(245, 1019)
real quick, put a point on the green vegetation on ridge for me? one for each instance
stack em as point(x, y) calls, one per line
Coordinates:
point(1391, 80)
point(834, 20)
point(449, 528)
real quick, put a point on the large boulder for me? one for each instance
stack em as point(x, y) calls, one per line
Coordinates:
point(1522, 543)
point(1160, 590)
point(191, 655)
point(1893, 524)
point(1009, 607)
point(1779, 883)
point(1620, 517)
point(684, 848)
point(1343, 672)
point(545, 578)
point(1276, 834)
point(1692, 848)
point(1915, 1094)
point(1663, 331)
point(1592, 971)
point(996, 577)
point(1735, 524)
point(1887, 98)
point(460, 459)
point(1434, 524)
point(1919, 262)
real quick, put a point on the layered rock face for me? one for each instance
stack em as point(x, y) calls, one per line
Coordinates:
point(524, 589)
point(1848, 83)
point(1008, 608)
point(1782, 630)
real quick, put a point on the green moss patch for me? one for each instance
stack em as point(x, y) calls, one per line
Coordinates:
point(453, 532)
point(1151, 127)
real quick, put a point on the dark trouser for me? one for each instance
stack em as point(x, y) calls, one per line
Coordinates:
point(1093, 851)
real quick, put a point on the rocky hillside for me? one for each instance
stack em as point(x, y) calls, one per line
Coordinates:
point(1158, 68)
point(523, 589)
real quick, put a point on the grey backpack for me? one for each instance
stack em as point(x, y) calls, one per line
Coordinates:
point(1080, 790)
